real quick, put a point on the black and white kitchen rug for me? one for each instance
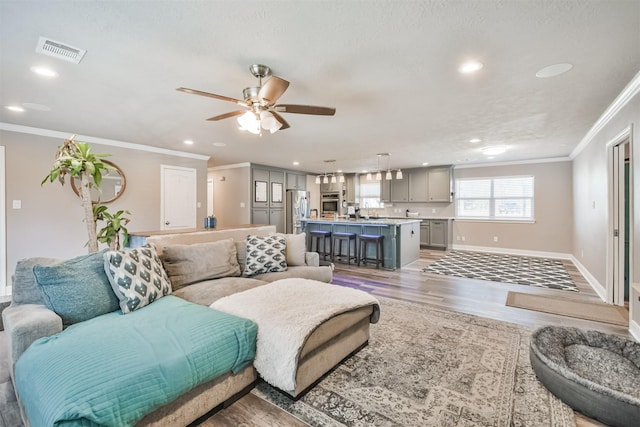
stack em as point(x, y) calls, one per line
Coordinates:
point(520, 270)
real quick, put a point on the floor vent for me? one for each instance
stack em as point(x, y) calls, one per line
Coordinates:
point(60, 50)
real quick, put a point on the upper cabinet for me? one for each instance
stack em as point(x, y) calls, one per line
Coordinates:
point(331, 187)
point(399, 190)
point(420, 185)
point(296, 181)
point(439, 184)
point(417, 179)
point(351, 194)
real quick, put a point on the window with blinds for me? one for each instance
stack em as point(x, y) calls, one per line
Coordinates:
point(508, 198)
point(370, 194)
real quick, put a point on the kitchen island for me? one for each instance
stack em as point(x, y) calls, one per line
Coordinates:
point(401, 236)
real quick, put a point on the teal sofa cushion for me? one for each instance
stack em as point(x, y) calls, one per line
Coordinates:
point(77, 289)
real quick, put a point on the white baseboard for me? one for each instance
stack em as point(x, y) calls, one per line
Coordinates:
point(600, 290)
point(593, 282)
point(509, 251)
point(634, 329)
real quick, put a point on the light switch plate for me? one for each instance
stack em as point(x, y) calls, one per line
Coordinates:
point(17, 204)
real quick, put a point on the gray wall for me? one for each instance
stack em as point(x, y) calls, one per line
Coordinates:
point(590, 178)
point(231, 189)
point(50, 221)
point(553, 211)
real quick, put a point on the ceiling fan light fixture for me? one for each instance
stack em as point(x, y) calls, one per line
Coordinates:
point(248, 122)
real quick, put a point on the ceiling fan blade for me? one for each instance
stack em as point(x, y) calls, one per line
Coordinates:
point(305, 109)
point(227, 115)
point(212, 95)
point(272, 90)
point(279, 118)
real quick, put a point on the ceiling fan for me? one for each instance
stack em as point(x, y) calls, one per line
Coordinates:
point(260, 110)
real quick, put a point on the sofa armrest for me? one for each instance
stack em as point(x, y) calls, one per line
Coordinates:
point(25, 323)
point(312, 259)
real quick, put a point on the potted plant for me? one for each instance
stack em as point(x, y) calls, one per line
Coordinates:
point(76, 160)
point(110, 233)
point(210, 221)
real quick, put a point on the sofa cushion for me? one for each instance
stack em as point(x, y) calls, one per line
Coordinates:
point(321, 274)
point(136, 276)
point(187, 264)
point(24, 288)
point(77, 289)
point(296, 248)
point(209, 291)
point(265, 254)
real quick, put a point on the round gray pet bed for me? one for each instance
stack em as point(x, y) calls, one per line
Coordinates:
point(595, 373)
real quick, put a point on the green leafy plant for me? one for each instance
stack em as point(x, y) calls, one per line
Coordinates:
point(115, 225)
point(76, 160)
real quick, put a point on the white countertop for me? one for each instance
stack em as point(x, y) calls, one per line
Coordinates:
point(380, 221)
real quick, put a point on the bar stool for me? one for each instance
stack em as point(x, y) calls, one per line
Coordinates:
point(318, 236)
point(340, 237)
point(376, 239)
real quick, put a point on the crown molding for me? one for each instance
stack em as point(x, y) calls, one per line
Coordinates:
point(515, 162)
point(95, 140)
point(231, 166)
point(621, 100)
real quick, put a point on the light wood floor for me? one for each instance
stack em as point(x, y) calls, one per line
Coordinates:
point(481, 298)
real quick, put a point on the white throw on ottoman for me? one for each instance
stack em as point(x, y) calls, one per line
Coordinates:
point(305, 328)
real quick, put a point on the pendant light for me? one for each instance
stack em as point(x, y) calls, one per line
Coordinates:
point(399, 174)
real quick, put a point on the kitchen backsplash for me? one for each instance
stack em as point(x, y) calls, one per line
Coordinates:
point(436, 210)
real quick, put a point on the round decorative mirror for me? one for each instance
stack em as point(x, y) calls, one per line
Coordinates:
point(113, 185)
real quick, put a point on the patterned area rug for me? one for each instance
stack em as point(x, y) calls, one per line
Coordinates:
point(425, 366)
point(519, 270)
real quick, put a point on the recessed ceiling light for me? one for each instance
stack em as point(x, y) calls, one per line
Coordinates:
point(219, 144)
point(15, 108)
point(553, 70)
point(470, 67)
point(494, 150)
point(188, 142)
point(296, 163)
point(44, 72)
point(475, 140)
point(425, 163)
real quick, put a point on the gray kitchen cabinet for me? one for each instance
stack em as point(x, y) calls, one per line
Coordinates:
point(399, 190)
point(260, 188)
point(296, 181)
point(418, 185)
point(350, 188)
point(425, 238)
point(276, 217)
point(439, 184)
point(260, 216)
point(276, 189)
point(438, 233)
point(385, 191)
point(331, 187)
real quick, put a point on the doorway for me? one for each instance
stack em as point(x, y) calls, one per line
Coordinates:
point(178, 197)
point(619, 253)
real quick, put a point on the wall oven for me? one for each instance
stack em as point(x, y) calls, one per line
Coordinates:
point(330, 204)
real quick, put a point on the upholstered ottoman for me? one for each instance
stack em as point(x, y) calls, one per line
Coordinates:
point(305, 328)
point(595, 373)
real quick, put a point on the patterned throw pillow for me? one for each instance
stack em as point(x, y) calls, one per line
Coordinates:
point(136, 276)
point(265, 255)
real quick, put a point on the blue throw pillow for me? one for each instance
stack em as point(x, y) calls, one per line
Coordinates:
point(77, 289)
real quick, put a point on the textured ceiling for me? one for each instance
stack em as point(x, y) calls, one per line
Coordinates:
point(388, 67)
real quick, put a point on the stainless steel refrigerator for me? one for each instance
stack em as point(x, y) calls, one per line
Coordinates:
point(296, 209)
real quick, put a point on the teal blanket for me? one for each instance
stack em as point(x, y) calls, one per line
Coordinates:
point(114, 369)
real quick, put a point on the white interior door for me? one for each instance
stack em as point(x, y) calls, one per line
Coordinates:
point(178, 198)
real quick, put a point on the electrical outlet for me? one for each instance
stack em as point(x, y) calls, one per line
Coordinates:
point(495, 238)
point(463, 238)
point(242, 204)
point(17, 204)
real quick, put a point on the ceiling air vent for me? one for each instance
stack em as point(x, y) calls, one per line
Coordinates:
point(60, 50)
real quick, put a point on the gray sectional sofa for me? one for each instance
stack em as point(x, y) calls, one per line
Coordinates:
point(202, 273)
